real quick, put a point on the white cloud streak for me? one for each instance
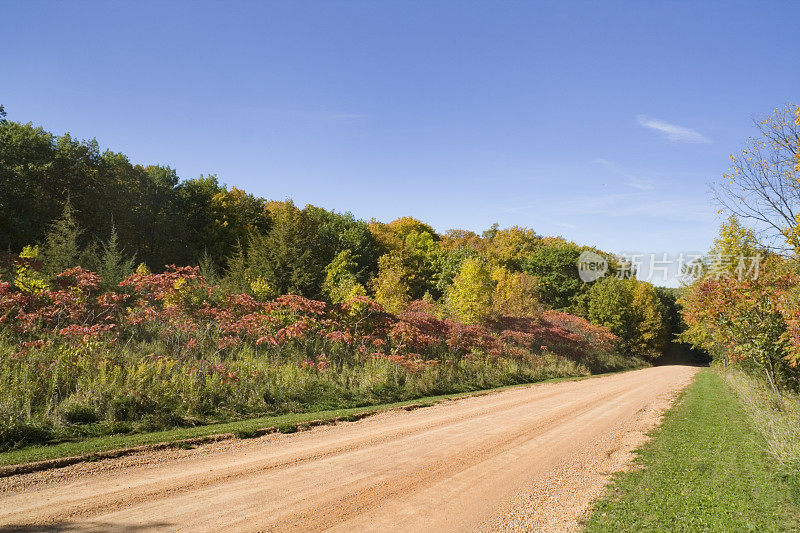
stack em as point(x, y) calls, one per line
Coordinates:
point(634, 181)
point(673, 132)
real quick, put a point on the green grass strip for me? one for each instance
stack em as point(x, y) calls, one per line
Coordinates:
point(285, 423)
point(706, 469)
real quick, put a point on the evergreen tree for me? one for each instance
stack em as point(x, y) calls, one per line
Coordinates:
point(235, 279)
point(208, 269)
point(60, 250)
point(113, 266)
point(285, 258)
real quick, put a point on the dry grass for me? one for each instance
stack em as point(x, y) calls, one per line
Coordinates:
point(775, 416)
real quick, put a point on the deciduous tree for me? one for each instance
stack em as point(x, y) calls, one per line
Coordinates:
point(469, 298)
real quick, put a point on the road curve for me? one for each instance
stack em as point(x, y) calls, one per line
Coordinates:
point(526, 458)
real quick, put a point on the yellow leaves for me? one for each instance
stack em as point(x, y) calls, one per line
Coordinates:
point(178, 293)
point(469, 298)
point(735, 240)
point(515, 294)
point(508, 247)
point(391, 289)
point(261, 289)
point(26, 278)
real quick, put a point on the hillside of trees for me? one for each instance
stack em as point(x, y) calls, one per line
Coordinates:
point(131, 299)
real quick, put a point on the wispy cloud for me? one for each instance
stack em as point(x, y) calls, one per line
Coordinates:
point(673, 132)
point(643, 184)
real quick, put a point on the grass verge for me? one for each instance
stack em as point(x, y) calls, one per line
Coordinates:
point(243, 428)
point(706, 469)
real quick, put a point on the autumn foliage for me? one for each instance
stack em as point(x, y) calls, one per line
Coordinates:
point(166, 348)
point(284, 308)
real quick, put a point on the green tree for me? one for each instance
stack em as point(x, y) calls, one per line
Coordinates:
point(556, 267)
point(285, 258)
point(236, 278)
point(421, 259)
point(610, 304)
point(60, 250)
point(337, 232)
point(341, 283)
point(113, 266)
point(633, 311)
point(450, 265)
point(208, 268)
point(29, 198)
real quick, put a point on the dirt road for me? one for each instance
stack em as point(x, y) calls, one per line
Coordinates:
point(529, 458)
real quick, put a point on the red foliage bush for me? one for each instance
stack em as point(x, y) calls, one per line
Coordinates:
point(184, 310)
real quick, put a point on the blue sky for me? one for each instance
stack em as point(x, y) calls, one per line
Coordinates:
point(603, 122)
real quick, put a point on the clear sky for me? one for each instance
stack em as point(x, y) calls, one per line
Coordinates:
point(603, 122)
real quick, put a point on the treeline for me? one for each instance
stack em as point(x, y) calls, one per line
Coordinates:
point(159, 217)
point(83, 206)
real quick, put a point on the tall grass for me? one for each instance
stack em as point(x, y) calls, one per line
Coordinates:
point(776, 416)
point(55, 393)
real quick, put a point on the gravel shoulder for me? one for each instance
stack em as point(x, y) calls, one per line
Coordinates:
point(514, 460)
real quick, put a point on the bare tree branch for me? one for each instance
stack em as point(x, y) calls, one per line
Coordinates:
point(763, 185)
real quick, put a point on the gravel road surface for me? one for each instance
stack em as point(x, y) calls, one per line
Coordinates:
point(521, 459)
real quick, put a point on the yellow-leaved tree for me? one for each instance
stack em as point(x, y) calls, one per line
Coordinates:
point(469, 298)
point(514, 294)
point(390, 287)
point(649, 314)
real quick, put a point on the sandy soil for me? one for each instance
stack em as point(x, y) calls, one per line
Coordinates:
point(529, 458)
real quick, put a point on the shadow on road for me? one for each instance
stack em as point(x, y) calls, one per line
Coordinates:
point(683, 354)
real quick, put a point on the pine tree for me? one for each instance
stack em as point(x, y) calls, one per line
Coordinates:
point(60, 250)
point(208, 269)
point(113, 266)
point(235, 279)
point(285, 258)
